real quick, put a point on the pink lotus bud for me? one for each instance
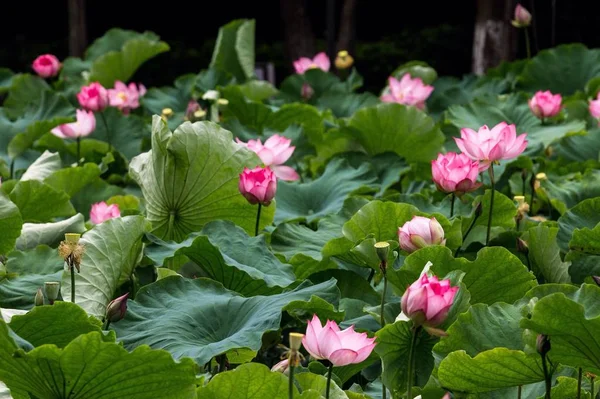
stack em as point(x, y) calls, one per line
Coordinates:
point(93, 97)
point(258, 185)
point(420, 232)
point(595, 107)
point(126, 97)
point(101, 212)
point(83, 126)
point(320, 61)
point(274, 153)
point(46, 65)
point(455, 173)
point(427, 300)
point(307, 91)
point(339, 347)
point(282, 367)
point(544, 104)
point(488, 146)
point(116, 309)
point(522, 17)
point(407, 91)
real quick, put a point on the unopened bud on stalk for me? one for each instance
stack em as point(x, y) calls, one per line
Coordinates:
point(39, 297)
point(542, 344)
point(52, 288)
point(117, 308)
point(522, 246)
point(383, 250)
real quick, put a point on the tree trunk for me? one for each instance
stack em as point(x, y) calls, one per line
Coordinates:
point(494, 37)
point(299, 38)
point(77, 28)
point(347, 26)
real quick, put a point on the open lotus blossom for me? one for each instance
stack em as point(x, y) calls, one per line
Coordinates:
point(320, 61)
point(126, 97)
point(93, 97)
point(274, 153)
point(522, 17)
point(488, 146)
point(455, 173)
point(339, 347)
point(407, 91)
point(101, 212)
point(83, 126)
point(258, 185)
point(595, 107)
point(428, 300)
point(544, 104)
point(46, 65)
point(420, 232)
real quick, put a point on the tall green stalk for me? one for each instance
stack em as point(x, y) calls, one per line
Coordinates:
point(291, 381)
point(411, 361)
point(328, 380)
point(78, 140)
point(107, 131)
point(493, 186)
point(452, 204)
point(527, 44)
point(257, 219)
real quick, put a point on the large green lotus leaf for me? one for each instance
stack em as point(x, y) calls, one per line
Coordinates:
point(90, 368)
point(234, 49)
point(11, 223)
point(344, 105)
point(584, 214)
point(544, 255)
point(322, 196)
point(490, 370)
point(212, 79)
point(72, 180)
point(258, 90)
point(567, 388)
point(118, 54)
point(304, 115)
point(393, 345)
point(570, 189)
point(176, 97)
point(190, 177)
point(210, 320)
point(321, 82)
point(303, 311)
point(404, 130)
point(496, 275)
point(252, 380)
point(310, 382)
point(44, 166)
point(351, 285)
point(34, 234)
point(584, 253)
point(503, 216)
point(572, 322)
point(574, 63)
point(228, 255)
point(252, 115)
point(56, 324)
point(39, 202)
point(290, 239)
point(580, 147)
point(126, 131)
point(483, 328)
point(6, 79)
point(24, 91)
point(112, 250)
point(26, 272)
point(98, 190)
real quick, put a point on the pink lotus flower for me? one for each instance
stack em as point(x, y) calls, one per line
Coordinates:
point(339, 347)
point(282, 367)
point(407, 91)
point(487, 146)
point(46, 65)
point(595, 107)
point(83, 126)
point(320, 61)
point(274, 153)
point(101, 212)
point(258, 185)
point(455, 173)
point(125, 97)
point(93, 97)
point(544, 104)
point(420, 232)
point(306, 92)
point(117, 308)
point(427, 300)
point(522, 17)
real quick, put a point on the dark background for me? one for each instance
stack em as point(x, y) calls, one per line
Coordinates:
point(388, 33)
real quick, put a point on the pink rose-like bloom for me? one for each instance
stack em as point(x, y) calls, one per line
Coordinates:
point(522, 17)
point(407, 91)
point(117, 308)
point(258, 185)
point(339, 347)
point(427, 300)
point(126, 97)
point(544, 104)
point(595, 107)
point(488, 146)
point(420, 232)
point(101, 212)
point(455, 173)
point(83, 126)
point(46, 65)
point(274, 153)
point(320, 61)
point(93, 97)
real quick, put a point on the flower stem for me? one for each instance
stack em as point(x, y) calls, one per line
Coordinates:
point(547, 377)
point(107, 131)
point(382, 318)
point(328, 380)
point(78, 151)
point(519, 392)
point(527, 44)
point(72, 282)
point(532, 184)
point(493, 185)
point(468, 232)
point(12, 168)
point(223, 363)
point(291, 381)
point(257, 219)
point(579, 377)
point(592, 387)
point(106, 325)
point(452, 204)
point(411, 361)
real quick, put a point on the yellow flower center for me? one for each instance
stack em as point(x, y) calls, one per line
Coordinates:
point(122, 96)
